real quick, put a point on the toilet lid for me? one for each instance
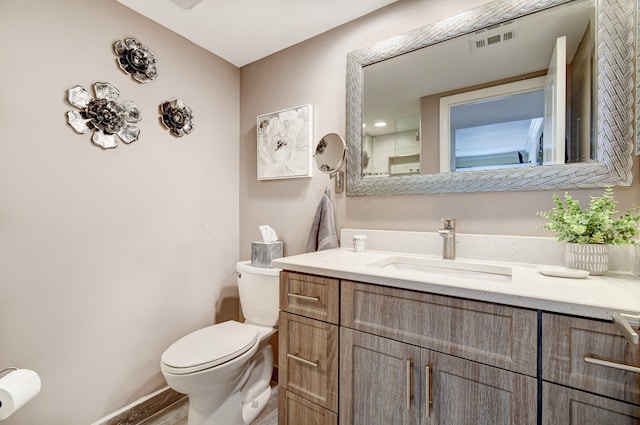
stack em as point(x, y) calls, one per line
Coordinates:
point(209, 347)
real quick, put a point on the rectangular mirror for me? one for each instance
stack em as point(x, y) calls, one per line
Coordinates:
point(513, 95)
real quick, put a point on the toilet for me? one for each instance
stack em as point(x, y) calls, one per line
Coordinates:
point(226, 368)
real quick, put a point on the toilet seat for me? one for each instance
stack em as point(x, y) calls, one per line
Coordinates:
point(209, 347)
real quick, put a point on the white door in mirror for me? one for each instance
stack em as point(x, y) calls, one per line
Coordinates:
point(554, 105)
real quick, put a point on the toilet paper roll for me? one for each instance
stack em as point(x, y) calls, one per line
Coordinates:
point(16, 390)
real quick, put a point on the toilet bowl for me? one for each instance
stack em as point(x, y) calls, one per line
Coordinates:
point(226, 368)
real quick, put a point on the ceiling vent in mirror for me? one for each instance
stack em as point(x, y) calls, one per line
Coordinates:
point(493, 35)
point(186, 4)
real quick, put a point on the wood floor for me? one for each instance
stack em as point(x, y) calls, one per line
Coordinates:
point(176, 414)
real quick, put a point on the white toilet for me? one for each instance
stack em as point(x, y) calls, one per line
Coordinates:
point(225, 369)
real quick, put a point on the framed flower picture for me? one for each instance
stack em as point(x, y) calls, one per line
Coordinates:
point(284, 143)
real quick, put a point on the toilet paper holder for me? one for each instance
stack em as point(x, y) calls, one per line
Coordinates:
point(8, 369)
point(17, 388)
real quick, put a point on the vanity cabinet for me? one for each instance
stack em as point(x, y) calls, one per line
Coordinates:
point(396, 362)
point(308, 350)
point(590, 372)
point(356, 353)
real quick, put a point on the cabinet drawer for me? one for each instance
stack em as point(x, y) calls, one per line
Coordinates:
point(492, 334)
point(570, 344)
point(295, 410)
point(308, 359)
point(311, 296)
point(567, 406)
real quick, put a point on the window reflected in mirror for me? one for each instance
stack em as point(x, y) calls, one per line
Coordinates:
point(479, 141)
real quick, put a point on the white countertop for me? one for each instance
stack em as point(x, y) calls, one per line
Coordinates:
point(595, 297)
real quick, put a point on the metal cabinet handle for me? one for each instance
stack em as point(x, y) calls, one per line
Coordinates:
point(301, 360)
point(304, 297)
point(614, 365)
point(408, 384)
point(624, 324)
point(427, 390)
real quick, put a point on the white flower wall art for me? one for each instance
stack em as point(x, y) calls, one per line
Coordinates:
point(284, 143)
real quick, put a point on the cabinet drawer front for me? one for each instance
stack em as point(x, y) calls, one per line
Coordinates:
point(567, 406)
point(568, 341)
point(308, 359)
point(311, 296)
point(493, 334)
point(295, 410)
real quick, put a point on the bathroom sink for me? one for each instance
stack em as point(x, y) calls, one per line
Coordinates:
point(452, 268)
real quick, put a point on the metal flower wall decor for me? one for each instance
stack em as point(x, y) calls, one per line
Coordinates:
point(176, 116)
point(136, 59)
point(103, 115)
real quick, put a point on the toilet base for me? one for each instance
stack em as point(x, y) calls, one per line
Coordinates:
point(252, 409)
point(241, 404)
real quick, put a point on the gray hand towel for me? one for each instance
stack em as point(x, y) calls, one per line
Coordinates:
point(323, 230)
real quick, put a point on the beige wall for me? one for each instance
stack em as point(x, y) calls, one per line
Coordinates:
point(315, 72)
point(107, 257)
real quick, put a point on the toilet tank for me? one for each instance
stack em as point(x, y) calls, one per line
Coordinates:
point(259, 293)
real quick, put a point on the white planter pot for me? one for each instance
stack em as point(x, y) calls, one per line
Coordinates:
point(591, 257)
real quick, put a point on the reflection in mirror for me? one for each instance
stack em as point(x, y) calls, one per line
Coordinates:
point(330, 154)
point(497, 127)
point(513, 95)
point(475, 69)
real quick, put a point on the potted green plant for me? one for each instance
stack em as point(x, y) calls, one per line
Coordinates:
point(589, 232)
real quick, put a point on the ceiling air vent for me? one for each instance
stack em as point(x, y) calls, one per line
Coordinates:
point(493, 35)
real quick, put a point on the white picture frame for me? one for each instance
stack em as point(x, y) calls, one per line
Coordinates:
point(284, 145)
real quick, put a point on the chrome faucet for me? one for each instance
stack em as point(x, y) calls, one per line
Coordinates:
point(448, 234)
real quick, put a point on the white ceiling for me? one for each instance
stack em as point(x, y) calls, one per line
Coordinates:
point(243, 31)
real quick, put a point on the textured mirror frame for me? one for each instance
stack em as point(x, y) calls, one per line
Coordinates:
point(637, 117)
point(615, 46)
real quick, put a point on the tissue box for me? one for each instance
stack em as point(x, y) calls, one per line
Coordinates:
point(263, 252)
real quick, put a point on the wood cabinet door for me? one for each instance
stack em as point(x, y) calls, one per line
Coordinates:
point(463, 392)
point(566, 406)
point(378, 380)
